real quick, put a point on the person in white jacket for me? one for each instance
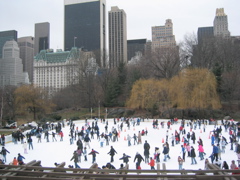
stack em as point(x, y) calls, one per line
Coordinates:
point(25, 147)
point(102, 139)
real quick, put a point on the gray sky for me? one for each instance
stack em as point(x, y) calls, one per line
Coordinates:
point(186, 15)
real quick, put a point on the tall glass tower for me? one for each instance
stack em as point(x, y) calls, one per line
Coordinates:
point(84, 26)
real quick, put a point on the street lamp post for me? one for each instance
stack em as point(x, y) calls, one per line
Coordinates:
point(99, 109)
point(91, 113)
point(74, 41)
point(106, 113)
point(89, 73)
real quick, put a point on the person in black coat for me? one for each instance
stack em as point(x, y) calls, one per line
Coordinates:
point(80, 144)
point(110, 166)
point(165, 152)
point(125, 158)
point(193, 137)
point(225, 165)
point(112, 152)
point(146, 147)
point(139, 159)
point(193, 155)
point(4, 154)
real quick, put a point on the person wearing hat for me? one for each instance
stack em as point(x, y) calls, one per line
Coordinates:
point(20, 159)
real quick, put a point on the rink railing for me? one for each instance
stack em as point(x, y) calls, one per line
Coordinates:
point(34, 171)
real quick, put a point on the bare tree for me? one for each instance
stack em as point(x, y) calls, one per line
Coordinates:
point(163, 62)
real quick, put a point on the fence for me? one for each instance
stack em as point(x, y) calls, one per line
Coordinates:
point(34, 171)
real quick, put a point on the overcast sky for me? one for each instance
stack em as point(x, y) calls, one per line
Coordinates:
point(186, 15)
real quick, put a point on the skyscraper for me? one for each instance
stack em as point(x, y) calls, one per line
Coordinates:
point(42, 37)
point(84, 26)
point(162, 36)
point(204, 33)
point(220, 24)
point(117, 36)
point(7, 36)
point(11, 69)
point(26, 46)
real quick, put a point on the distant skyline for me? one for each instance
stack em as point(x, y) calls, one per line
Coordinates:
point(186, 15)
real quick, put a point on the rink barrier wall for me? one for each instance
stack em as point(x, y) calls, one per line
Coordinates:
point(33, 170)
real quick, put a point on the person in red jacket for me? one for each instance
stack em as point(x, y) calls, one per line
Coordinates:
point(152, 163)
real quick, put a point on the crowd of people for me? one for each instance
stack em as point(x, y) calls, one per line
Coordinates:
point(90, 132)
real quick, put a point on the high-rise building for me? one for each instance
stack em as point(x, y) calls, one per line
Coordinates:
point(117, 36)
point(204, 33)
point(42, 37)
point(162, 36)
point(134, 46)
point(7, 36)
point(11, 69)
point(85, 27)
point(26, 46)
point(220, 23)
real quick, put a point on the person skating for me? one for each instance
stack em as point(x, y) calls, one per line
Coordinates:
point(139, 159)
point(30, 142)
point(4, 154)
point(94, 154)
point(201, 151)
point(85, 153)
point(80, 144)
point(165, 152)
point(168, 150)
point(20, 159)
point(139, 138)
point(152, 163)
point(53, 136)
point(193, 155)
point(157, 154)
point(183, 151)
point(135, 139)
point(193, 137)
point(112, 152)
point(125, 158)
point(75, 158)
point(180, 162)
point(87, 141)
point(215, 152)
point(25, 147)
point(146, 147)
point(129, 139)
